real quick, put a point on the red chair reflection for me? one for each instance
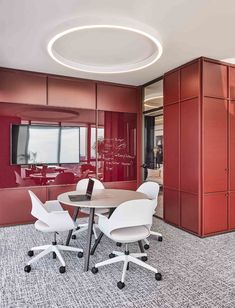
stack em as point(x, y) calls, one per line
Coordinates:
point(64, 178)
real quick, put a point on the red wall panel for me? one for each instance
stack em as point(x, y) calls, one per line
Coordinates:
point(215, 214)
point(189, 204)
point(189, 145)
point(172, 87)
point(215, 80)
point(232, 210)
point(15, 205)
point(232, 145)
point(215, 144)
point(171, 145)
point(65, 92)
point(117, 98)
point(22, 87)
point(190, 81)
point(171, 206)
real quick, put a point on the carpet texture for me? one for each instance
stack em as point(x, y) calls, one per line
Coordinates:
point(196, 273)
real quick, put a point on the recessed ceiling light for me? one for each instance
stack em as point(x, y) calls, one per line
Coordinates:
point(105, 49)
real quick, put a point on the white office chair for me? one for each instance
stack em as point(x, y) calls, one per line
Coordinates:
point(130, 222)
point(81, 187)
point(151, 189)
point(51, 218)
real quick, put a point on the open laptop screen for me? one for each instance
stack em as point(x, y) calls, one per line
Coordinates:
point(90, 188)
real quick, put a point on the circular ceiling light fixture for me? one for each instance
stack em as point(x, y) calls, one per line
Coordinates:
point(105, 49)
point(150, 99)
point(229, 60)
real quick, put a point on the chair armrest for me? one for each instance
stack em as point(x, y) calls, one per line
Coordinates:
point(53, 205)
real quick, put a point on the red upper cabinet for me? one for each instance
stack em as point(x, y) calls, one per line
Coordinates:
point(171, 146)
point(215, 80)
point(68, 92)
point(22, 87)
point(232, 145)
point(215, 144)
point(172, 87)
point(190, 81)
point(232, 82)
point(117, 98)
point(189, 145)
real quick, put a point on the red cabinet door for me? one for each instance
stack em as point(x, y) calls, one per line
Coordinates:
point(171, 146)
point(171, 206)
point(215, 80)
point(232, 82)
point(117, 98)
point(232, 145)
point(215, 144)
point(231, 211)
point(189, 145)
point(215, 213)
point(190, 81)
point(22, 87)
point(189, 209)
point(172, 87)
point(66, 92)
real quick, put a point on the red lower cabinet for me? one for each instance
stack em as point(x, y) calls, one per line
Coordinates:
point(15, 205)
point(232, 211)
point(215, 216)
point(189, 210)
point(171, 206)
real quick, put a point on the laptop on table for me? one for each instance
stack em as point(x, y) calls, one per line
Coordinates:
point(87, 196)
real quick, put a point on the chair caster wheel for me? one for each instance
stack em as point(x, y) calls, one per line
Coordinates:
point(146, 246)
point(27, 268)
point(120, 285)
point(62, 269)
point(111, 255)
point(94, 270)
point(74, 237)
point(144, 258)
point(30, 253)
point(119, 244)
point(80, 254)
point(158, 276)
point(77, 228)
point(53, 255)
point(159, 239)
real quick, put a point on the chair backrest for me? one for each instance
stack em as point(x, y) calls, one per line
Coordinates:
point(82, 184)
point(38, 209)
point(151, 189)
point(64, 178)
point(132, 214)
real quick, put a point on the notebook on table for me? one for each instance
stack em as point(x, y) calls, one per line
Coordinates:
point(87, 196)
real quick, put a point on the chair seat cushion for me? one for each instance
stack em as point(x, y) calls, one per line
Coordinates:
point(86, 210)
point(43, 227)
point(128, 235)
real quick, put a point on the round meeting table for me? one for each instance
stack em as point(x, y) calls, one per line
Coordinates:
point(101, 199)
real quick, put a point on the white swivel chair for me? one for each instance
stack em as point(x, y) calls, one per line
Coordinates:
point(81, 187)
point(130, 222)
point(51, 218)
point(151, 189)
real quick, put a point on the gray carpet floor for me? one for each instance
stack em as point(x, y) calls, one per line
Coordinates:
point(196, 273)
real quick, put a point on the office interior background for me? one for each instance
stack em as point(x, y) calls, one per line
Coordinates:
point(127, 93)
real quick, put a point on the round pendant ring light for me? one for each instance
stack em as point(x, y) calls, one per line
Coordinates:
point(105, 49)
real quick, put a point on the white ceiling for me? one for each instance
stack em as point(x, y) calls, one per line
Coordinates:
point(186, 29)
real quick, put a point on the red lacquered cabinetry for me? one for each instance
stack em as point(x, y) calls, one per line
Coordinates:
point(117, 98)
point(66, 92)
point(23, 87)
point(206, 146)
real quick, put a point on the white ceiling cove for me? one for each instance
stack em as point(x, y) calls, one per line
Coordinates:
point(186, 30)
